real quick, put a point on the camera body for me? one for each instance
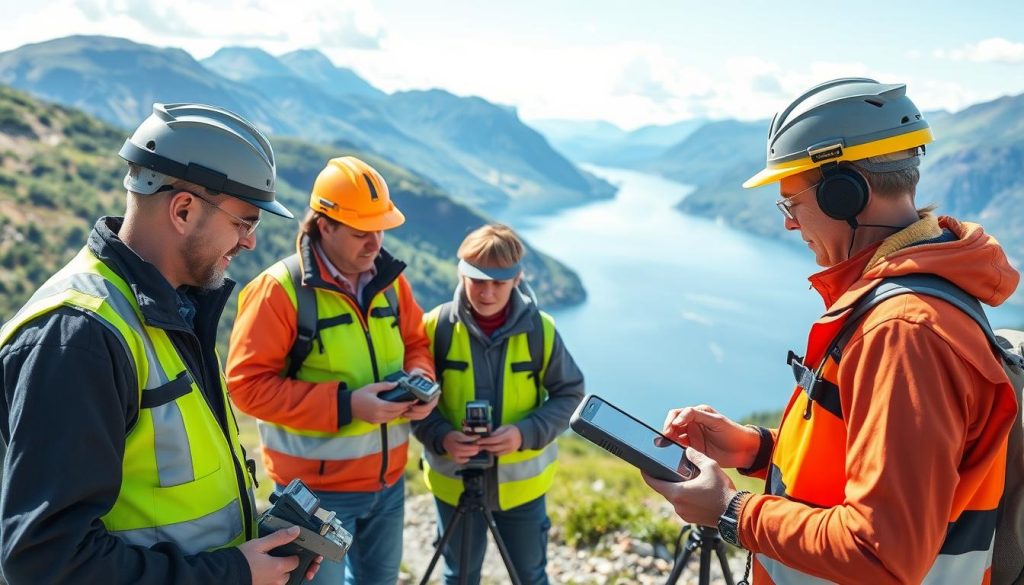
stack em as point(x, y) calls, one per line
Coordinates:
point(478, 423)
point(320, 532)
point(409, 388)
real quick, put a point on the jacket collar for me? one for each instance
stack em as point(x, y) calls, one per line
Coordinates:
point(157, 300)
point(840, 286)
point(523, 305)
point(313, 271)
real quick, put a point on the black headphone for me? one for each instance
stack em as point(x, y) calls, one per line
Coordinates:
point(842, 193)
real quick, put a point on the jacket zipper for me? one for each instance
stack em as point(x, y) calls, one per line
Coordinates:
point(364, 319)
point(384, 426)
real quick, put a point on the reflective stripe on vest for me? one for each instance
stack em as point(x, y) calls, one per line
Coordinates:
point(948, 569)
point(523, 475)
point(507, 472)
point(206, 533)
point(330, 447)
point(178, 476)
point(346, 352)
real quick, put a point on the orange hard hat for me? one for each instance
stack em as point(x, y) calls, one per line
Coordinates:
point(352, 192)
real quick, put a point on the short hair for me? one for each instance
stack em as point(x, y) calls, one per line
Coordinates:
point(492, 246)
point(177, 184)
point(901, 179)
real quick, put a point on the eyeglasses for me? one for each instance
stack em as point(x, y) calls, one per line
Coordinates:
point(248, 227)
point(786, 202)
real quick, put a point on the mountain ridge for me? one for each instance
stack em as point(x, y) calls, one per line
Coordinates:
point(300, 94)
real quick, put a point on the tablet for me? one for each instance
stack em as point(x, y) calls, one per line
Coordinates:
point(631, 440)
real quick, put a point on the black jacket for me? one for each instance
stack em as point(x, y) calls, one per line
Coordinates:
point(70, 399)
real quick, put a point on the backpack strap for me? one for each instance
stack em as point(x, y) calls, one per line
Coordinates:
point(924, 284)
point(940, 288)
point(392, 298)
point(443, 341)
point(535, 345)
point(306, 311)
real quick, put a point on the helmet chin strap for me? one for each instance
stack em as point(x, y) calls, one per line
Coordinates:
point(853, 229)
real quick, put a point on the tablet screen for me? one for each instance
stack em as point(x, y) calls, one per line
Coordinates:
point(636, 434)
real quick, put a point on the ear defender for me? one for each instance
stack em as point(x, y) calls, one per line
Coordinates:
point(842, 193)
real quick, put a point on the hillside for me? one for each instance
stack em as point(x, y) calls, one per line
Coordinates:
point(497, 148)
point(972, 171)
point(59, 171)
point(301, 94)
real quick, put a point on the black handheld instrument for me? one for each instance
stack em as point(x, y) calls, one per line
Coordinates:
point(320, 532)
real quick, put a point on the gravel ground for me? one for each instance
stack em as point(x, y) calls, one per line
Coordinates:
point(617, 559)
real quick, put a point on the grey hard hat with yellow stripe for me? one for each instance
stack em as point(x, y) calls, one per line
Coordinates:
point(846, 119)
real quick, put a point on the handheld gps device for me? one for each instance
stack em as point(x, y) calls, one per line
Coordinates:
point(410, 388)
point(320, 532)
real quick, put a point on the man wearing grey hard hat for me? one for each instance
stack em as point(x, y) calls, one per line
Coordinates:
point(888, 463)
point(123, 461)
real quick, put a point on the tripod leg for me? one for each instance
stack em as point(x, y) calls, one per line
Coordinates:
point(449, 531)
point(678, 565)
point(464, 555)
point(705, 565)
point(724, 561)
point(493, 527)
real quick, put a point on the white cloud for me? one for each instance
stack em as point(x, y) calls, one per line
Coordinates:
point(994, 50)
point(201, 28)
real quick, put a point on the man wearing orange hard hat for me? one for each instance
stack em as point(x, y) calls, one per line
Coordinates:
point(316, 336)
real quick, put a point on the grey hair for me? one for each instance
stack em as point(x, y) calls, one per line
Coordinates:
point(893, 174)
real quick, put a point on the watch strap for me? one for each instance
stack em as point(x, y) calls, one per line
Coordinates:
point(729, 522)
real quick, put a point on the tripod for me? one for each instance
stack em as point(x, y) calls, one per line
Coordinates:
point(706, 539)
point(471, 500)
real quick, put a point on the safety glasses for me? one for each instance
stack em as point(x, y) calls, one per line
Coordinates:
point(785, 204)
point(248, 228)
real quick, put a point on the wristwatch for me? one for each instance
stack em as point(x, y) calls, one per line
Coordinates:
point(729, 521)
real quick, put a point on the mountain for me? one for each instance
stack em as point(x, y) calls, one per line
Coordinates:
point(59, 171)
point(301, 95)
point(314, 67)
point(242, 64)
point(118, 80)
point(605, 144)
point(972, 171)
point(497, 147)
point(580, 140)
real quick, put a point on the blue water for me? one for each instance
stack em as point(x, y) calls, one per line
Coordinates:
point(682, 310)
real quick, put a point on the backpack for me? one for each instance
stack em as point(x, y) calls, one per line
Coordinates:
point(534, 342)
point(1008, 344)
point(308, 326)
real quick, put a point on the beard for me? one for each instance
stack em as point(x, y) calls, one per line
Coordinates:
point(203, 265)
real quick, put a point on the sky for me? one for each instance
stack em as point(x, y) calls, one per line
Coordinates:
point(629, 63)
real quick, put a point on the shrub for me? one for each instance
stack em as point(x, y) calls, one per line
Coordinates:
point(591, 518)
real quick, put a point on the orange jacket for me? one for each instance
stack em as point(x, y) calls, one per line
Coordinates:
point(920, 439)
point(262, 337)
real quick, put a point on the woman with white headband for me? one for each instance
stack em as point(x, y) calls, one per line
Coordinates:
point(491, 343)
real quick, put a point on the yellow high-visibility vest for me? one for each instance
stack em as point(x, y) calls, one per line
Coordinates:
point(182, 480)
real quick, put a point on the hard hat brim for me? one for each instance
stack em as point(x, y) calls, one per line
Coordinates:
point(767, 176)
point(274, 207)
point(777, 172)
point(375, 223)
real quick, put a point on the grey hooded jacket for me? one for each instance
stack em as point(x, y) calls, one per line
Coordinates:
point(563, 381)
